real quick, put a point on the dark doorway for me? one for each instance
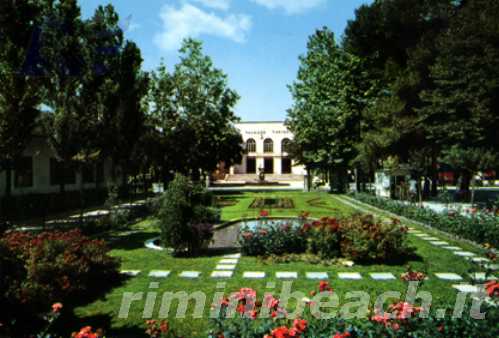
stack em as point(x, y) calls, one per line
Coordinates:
point(251, 165)
point(268, 165)
point(286, 166)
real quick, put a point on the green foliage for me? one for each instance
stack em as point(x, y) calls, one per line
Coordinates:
point(192, 111)
point(481, 228)
point(272, 238)
point(360, 238)
point(21, 91)
point(323, 130)
point(186, 216)
point(368, 240)
point(51, 267)
point(255, 318)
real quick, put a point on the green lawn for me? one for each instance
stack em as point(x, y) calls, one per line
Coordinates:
point(103, 312)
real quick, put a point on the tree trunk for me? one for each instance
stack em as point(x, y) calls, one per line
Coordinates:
point(309, 179)
point(8, 182)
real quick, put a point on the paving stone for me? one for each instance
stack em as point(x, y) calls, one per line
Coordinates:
point(286, 275)
point(349, 275)
point(492, 266)
point(435, 239)
point(382, 276)
point(190, 274)
point(233, 256)
point(464, 253)
point(225, 267)
point(439, 243)
point(466, 288)
point(221, 274)
point(480, 260)
point(229, 261)
point(317, 275)
point(421, 235)
point(448, 276)
point(159, 273)
point(131, 273)
point(253, 275)
point(453, 248)
point(482, 276)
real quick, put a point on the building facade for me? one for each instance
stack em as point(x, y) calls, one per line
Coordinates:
point(266, 148)
point(38, 172)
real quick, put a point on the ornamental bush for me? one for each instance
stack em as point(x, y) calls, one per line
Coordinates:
point(480, 227)
point(366, 239)
point(50, 267)
point(272, 238)
point(187, 216)
point(360, 238)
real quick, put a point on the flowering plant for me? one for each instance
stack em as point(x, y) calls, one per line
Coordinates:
point(159, 329)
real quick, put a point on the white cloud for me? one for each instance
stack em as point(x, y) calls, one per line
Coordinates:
point(190, 21)
point(216, 4)
point(291, 6)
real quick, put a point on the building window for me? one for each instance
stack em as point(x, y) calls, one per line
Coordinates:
point(24, 173)
point(60, 175)
point(251, 146)
point(285, 144)
point(268, 146)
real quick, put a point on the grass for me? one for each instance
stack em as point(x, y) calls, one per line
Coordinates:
point(129, 247)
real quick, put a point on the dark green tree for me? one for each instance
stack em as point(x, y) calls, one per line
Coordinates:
point(21, 70)
point(193, 111)
point(322, 128)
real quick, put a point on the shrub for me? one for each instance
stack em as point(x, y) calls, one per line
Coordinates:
point(366, 239)
point(272, 238)
point(55, 267)
point(360, 238)
point(480, 227)
point(324, 237)
point(184, 207)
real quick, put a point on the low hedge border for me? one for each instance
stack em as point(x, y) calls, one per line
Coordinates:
point(435, 221)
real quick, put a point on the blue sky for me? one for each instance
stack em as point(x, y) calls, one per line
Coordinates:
point(256, 42)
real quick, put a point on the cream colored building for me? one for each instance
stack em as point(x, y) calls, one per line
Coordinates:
point(38, 172)
point(266, 148)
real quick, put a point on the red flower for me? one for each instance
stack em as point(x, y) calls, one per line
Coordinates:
point(86, 332)
point(306, 227)
point(264, 213)
point(342, 335)
point(324, 286)
point(56, 307)
point(413, 276)
point(492, 289)
point(300, 325)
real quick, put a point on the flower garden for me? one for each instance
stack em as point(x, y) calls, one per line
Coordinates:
point(73, 284)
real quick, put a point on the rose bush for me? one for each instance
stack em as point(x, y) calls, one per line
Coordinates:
point(51, 267)
point(360, 238)
point(242, 314)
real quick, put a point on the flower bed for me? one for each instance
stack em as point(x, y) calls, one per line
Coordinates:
point(361, 238)
point(480, 227)
point(38, 270)
point(242, 314)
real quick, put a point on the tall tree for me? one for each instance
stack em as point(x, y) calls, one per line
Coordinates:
point(462, 107)
point(321, 127)
point(20, 76)
point(66, 51)
point(193, 108)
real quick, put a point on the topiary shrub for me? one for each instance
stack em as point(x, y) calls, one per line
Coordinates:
point(185, 214)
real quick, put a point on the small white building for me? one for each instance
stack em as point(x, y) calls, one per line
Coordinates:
point(38, 172)
point(266, 145)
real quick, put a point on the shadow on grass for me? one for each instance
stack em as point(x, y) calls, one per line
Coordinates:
point(394, 261)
